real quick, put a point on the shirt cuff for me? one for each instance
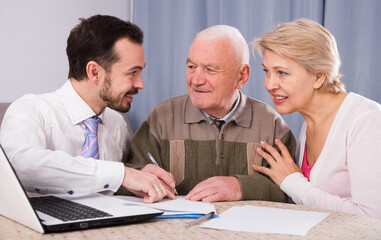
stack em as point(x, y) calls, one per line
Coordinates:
point(110, 176)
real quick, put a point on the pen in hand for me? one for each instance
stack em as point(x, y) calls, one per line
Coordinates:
point(200, 219)
point(156, 164)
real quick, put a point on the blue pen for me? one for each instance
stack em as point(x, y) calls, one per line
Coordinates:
point(156, 164)
point(152, 159)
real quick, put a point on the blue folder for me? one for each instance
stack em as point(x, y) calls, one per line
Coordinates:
point(181, 216)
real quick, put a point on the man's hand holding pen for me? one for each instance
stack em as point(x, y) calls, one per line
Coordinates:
point(146, 185)
point(162, 175)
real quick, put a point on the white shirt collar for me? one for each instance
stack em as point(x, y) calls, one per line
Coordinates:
point(76, 107)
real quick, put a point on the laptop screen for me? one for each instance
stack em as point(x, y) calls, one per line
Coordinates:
point(14, 202)
point(16, 205)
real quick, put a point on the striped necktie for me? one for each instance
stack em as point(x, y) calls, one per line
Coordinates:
point(90, 147)
point(218, 123)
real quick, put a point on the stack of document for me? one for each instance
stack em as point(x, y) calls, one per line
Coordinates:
point(266, 220)
point(178, 208)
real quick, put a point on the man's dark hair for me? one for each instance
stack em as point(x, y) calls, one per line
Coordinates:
point(93, 40)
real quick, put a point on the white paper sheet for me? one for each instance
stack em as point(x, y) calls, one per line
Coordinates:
point(178, 206)
point(266, 220)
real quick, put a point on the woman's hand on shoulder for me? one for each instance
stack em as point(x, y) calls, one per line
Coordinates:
point(281, 164)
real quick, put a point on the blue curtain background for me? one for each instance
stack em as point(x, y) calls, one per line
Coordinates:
point(171, 25)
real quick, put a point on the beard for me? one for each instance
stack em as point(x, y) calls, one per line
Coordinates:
point(115, 102)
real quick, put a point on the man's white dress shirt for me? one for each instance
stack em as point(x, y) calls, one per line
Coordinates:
point(43, 137)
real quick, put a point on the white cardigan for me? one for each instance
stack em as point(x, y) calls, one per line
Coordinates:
point(347, 175)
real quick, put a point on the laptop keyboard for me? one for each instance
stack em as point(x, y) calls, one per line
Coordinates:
point(65, 210)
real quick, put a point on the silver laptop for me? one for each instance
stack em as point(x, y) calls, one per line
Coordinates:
point(56, 214)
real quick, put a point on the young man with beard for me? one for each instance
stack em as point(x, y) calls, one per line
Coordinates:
point(71, 141)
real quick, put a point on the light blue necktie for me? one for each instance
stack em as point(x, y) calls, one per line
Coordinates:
point(90, 147)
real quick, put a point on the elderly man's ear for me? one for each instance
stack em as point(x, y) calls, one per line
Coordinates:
point(244, 74)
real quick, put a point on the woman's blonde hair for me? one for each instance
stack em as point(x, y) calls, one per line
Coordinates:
point(309, 44)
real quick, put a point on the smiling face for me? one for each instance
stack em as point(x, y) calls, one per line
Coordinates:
point(213, 76)
point(290, 85)
point(124, 78)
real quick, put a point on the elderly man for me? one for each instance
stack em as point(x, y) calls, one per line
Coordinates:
point(208, 138)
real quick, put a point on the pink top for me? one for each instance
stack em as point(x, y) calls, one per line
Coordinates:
point(305, 167)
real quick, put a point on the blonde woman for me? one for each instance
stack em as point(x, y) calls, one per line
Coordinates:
point(339, 147)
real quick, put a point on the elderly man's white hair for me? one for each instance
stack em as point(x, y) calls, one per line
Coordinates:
point(228, 32)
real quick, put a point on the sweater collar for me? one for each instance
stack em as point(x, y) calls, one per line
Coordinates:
point(243, 116)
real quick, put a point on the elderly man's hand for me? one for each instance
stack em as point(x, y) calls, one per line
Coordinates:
point(216, 189)
point(146, 185)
